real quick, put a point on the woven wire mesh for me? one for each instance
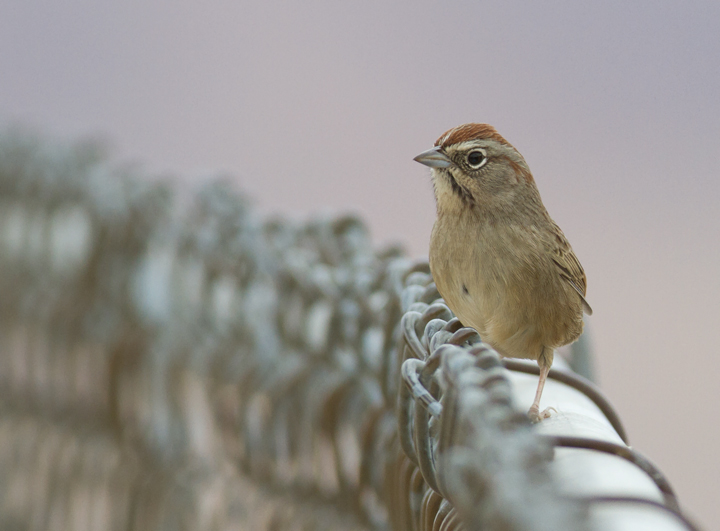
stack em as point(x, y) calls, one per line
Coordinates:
point(174, 362)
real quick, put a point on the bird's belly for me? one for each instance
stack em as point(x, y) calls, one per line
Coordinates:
point(464, 294)
point(519, 319)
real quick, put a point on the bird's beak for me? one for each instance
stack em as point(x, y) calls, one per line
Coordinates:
point(434, 158)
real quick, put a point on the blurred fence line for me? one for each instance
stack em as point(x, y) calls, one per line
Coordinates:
point(173, 362)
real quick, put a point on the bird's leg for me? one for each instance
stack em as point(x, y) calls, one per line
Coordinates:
point(534, 411)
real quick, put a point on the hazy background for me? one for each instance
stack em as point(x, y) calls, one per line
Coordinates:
point(321, 105)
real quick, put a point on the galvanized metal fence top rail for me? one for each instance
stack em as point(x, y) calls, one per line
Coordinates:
point(179, 363)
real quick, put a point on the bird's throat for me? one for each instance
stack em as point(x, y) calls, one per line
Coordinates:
point(459, 190)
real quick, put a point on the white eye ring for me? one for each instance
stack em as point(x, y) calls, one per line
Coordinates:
point(476, 158)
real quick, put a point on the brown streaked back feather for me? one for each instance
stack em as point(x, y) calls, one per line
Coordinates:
point(569, 267)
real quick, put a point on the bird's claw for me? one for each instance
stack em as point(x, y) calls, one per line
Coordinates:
point(536, 416)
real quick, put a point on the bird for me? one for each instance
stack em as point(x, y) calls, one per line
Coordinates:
point(500, 262)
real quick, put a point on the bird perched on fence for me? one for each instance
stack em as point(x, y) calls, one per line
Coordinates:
point(501, 263)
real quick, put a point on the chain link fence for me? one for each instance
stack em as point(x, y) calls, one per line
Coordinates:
point(173, 361)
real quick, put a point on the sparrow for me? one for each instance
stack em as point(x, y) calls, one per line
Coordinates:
point(499, 261)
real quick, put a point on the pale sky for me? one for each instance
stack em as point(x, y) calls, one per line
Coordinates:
point(320, 106)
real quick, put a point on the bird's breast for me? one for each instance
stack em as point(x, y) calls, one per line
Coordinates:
point(500, 282)
point(462, 269)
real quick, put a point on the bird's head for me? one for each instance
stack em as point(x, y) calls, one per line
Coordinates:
point(473, 166)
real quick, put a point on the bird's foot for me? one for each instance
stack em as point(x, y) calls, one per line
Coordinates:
point(536, 415)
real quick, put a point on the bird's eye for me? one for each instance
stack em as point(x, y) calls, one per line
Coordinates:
point(476, 159)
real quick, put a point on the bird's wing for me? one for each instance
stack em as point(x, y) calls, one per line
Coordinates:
point(569, 267)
